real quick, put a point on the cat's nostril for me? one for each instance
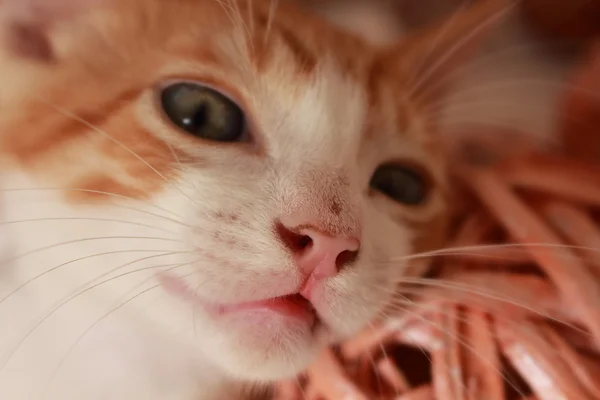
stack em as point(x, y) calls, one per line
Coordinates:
point(304, 241)
point(296, 242)
point(345, 258)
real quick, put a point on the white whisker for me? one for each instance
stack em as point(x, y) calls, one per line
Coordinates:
point(475, 290)
point(433, 45)
point(522, 83)
point(121, 304)
point(462, 342)
point(272, 11)
point(474, 248)
point(96, 129)
point(109, 194)
point(88, 219)
point(458, 46)
point(55, 268)
point(67, 300)
point(40, 249)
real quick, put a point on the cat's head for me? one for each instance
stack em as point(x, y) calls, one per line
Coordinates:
point(301, 164)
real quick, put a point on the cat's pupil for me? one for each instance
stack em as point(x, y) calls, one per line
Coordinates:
point(400, 183)
point(203, 112)
point(198, 119)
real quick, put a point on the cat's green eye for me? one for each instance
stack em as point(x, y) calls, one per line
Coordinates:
point(203, 112)
point(400, 183)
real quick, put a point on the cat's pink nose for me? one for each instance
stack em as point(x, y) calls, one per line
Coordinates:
point(319, 255)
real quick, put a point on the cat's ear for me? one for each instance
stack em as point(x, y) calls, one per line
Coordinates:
point(28, 24)
point(430, 59)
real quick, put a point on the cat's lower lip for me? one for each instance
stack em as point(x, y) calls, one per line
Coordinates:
point(293, 306)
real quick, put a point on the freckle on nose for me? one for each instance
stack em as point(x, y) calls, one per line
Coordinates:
point(335, 207)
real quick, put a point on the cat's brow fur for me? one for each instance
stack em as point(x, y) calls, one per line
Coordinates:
point(101, 193)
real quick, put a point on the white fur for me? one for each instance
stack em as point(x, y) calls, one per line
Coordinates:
point(125, 356)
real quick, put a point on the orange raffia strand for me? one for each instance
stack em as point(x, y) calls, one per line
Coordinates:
point(446, 365)
point(369, 339)
point(483, 379)
point(505, 294)
point(577, 226)
point(587, 374)
point(538, 361)
point(573, 278)
point(331, 380)
point(420, 393)
point(464, 332)
point(555, 176)
point(392, 376)
point(472, 234)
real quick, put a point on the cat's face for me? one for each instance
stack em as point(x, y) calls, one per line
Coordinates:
point(297, 161)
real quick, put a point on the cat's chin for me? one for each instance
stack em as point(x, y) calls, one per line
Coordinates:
point(265, 341)
point(262, 345)
point(259, 341)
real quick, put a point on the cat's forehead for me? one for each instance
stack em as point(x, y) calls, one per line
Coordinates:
point(258, 29)
point(247, 39)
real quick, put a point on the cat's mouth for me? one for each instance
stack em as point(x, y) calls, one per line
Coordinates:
point(292, 306)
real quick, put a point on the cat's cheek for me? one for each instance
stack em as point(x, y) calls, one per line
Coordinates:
point(352, 304)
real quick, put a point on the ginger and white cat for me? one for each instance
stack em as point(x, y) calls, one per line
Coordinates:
point(197, 196)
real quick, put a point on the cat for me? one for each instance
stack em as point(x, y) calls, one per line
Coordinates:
point(198, 196)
